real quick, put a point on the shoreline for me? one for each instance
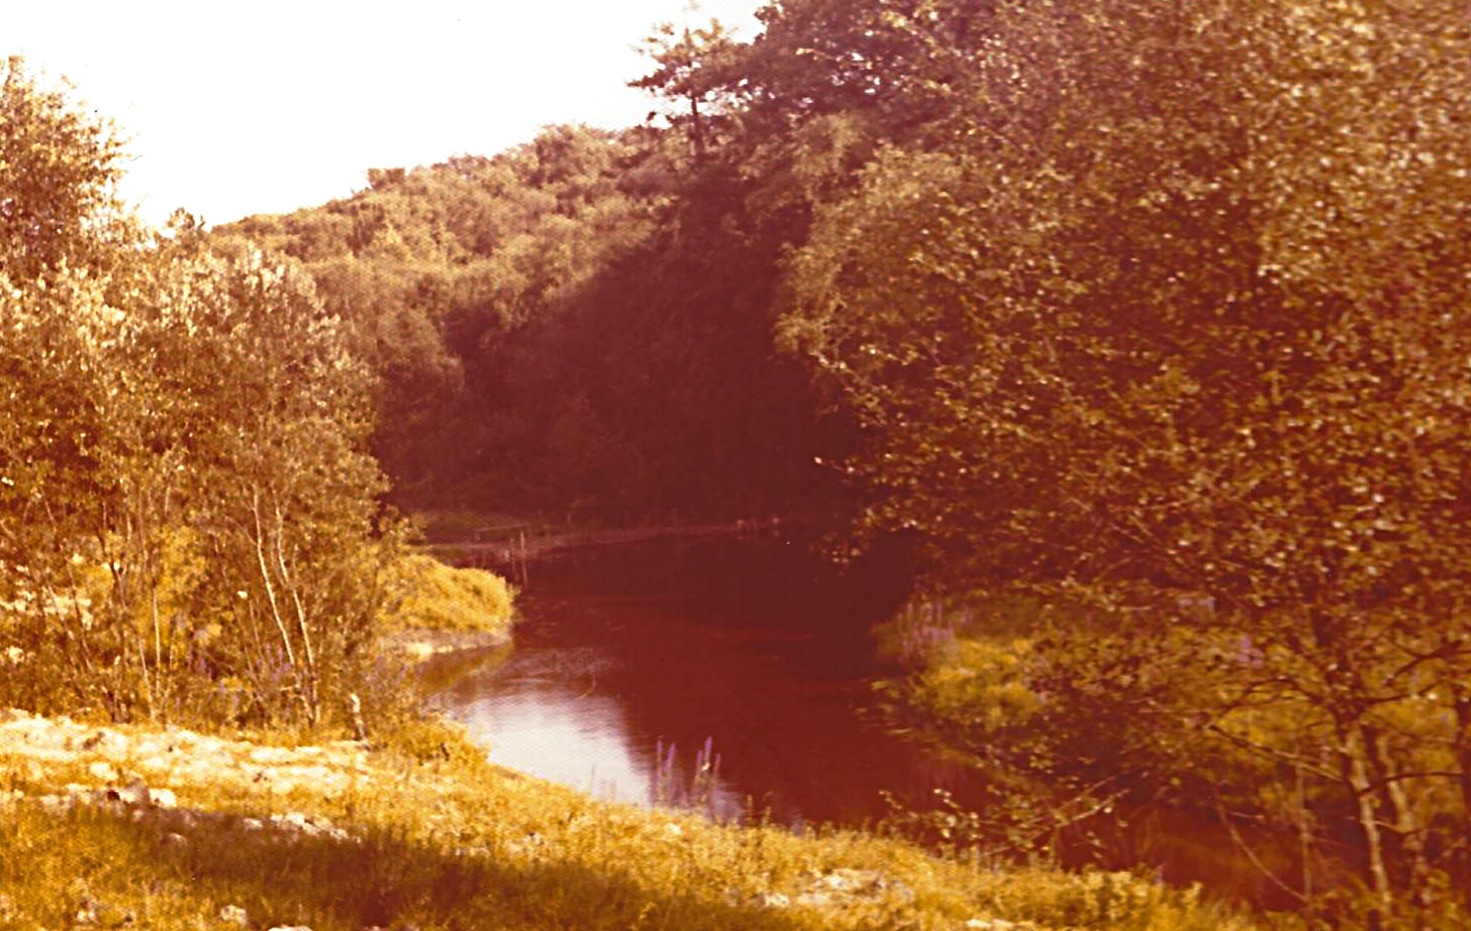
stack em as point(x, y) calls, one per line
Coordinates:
point(422, 644)
point(192, 828)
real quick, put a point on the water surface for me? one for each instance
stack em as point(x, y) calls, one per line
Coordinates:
point(599, 687)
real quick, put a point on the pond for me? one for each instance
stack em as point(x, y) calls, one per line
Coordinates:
point(729, 679)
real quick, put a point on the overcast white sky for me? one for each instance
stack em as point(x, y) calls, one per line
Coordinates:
point(262, 106)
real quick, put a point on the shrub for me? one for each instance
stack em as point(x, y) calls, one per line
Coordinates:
point(426, 593)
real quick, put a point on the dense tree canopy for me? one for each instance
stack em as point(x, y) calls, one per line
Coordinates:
point(579, 325)
point(1183, 322)
point(187, 516)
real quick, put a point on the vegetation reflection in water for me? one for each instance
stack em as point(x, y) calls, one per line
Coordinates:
point(583, 741)
point(632, 702)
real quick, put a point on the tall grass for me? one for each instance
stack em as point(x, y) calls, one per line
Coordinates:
point(919, 629)
point(429, 595)
point(697, 789)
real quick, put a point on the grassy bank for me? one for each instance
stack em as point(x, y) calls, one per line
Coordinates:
point(166, 828)
point(419, 831)
point(1100, 744)
point(440, 608)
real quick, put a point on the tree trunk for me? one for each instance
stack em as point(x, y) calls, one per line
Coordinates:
point(1462, 747)
point(1356, 776)
point(1405, 856)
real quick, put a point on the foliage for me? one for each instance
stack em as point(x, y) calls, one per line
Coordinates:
point(438, 268)
point(1164, 321)
point(189, 525)
point(580, 325)
point(435, 596)
point(1152, 314)
point(691, 70)
point(57, 171)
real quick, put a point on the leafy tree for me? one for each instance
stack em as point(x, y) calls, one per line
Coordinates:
point(1180, 325)
point(694, 69)
point(58, 167)
point(186, 510)
point(283, 493)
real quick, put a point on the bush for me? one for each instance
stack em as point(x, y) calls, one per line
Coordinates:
point(426, 593)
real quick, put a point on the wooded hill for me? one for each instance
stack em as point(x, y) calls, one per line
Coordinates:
point(1151, 314)
point(578, 326)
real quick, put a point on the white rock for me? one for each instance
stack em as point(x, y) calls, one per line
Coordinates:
point(270, 755)
point(102, 771)
point(86, 913)
point(295, 821)
point(234, 915)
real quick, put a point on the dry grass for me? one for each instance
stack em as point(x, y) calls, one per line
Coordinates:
point(422, 832)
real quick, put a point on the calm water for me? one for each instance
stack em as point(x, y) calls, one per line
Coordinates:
point(600, 685)
point(761, 656)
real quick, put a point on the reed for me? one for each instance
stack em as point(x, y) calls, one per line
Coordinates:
point(696, 789)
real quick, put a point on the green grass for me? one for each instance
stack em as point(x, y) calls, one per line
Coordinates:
point(438, 838)
point(444, 598)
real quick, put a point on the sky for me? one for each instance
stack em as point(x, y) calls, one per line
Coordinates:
point(262, 106)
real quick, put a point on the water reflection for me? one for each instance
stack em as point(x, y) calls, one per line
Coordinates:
point(584, 740)
point(597, 688)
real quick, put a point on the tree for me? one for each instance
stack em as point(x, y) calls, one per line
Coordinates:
point(58, 168)
point(1180, 325)
point(282, 497)
point(694, 69)
point(56, 253)
point(186, 509)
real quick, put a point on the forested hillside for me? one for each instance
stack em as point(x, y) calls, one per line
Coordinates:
point(1144, 324)
point(576, 326)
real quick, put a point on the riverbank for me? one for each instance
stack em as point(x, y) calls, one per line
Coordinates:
point(111, 826)
point(171, 829)
point(437, 607)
